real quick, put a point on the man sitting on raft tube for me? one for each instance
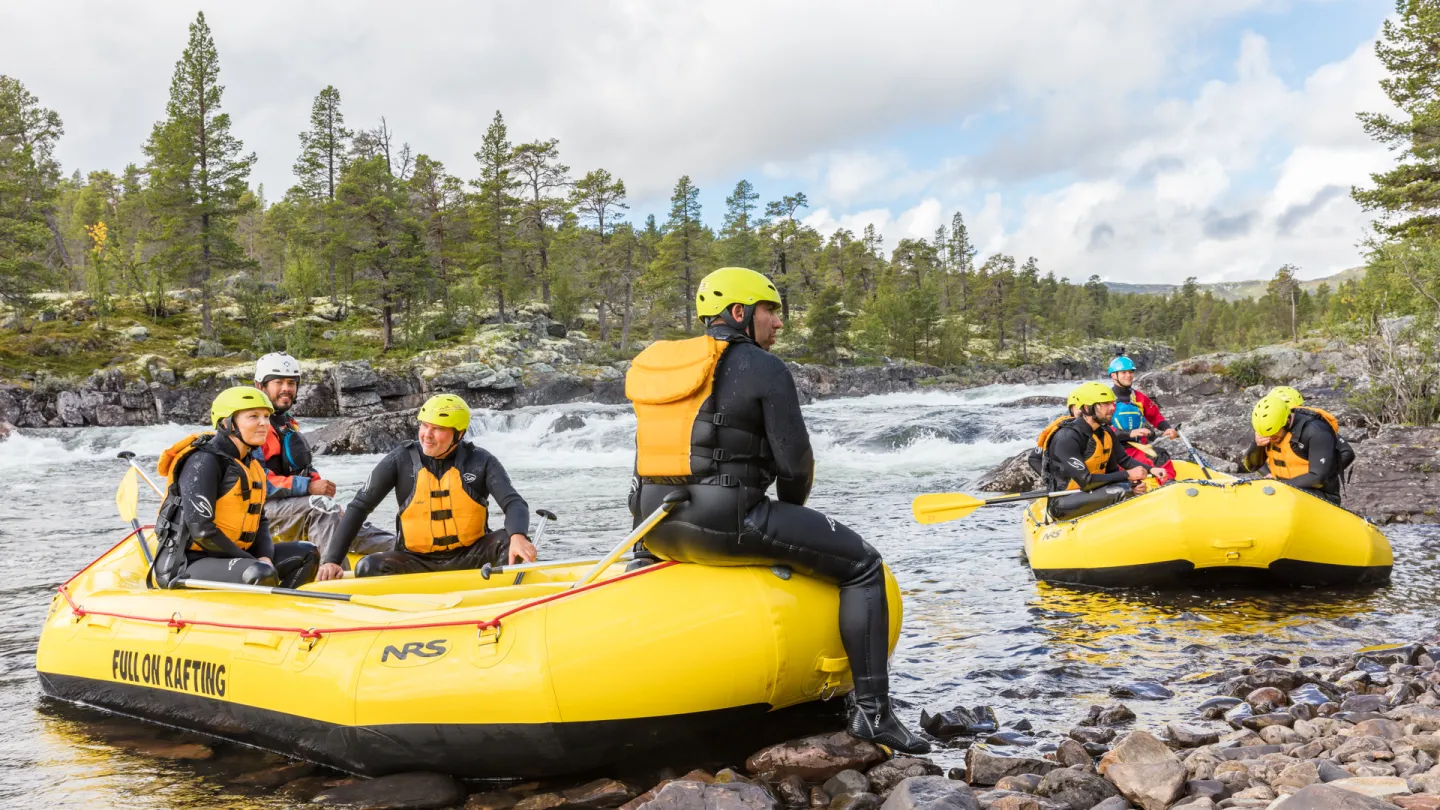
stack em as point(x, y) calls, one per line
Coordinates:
point(1082, 453)
point(212, 522)
point(719, 416)
point(442, 484)
point(1137, 418)
point(1300, 446)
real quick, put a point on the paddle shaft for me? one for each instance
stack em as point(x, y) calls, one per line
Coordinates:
point(1026, 496)
point(211, 585)
point(492, 570)
point(1195, 454)
point(671, 501)
point(130, 457)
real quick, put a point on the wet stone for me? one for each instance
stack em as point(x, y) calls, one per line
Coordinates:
point(1278, 735)
point(1092, 734)
point(1238, 713)
point(1009, 738)
point(304, 788)
point(1329, 771)
point(404, 790)
point(1308, 694)
point(492, 800)
point(1077, 789)
point(168, 750)
point(1110, 714)
point(846, 782)
point(1019, 725)
point(686, 795)
point(1023, 783)
point(1364, 703)
point(1427, 801)
point(949, 724)
point(1141, 690)
point(855, 801)
point(1114, 803)
point(541, 801)
point(1260, 721)
point(985, 720)
point(601, 793)
point(816, 758)
point(1266, 699)
point(891, 772)
point(1215, 708)
point(819, 798)
point(985, 768)
point(930, 793)
point(791, 791)
point(1302, 711)
point(1329, 797)
point(1250, 752)
point(1072, 754)
point(1190, 736)
point(274, 777)
point(1209, 788)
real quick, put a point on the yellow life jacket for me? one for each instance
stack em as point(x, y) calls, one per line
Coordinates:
point(440, 515)
point(1098, 459)
point(1285, 463)
point(238, 510)
point(668, 383)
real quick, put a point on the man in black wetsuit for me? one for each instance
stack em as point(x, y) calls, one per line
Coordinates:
point(1301, 446)
point(719, 416)
point(1081, 453)
point(442, 485)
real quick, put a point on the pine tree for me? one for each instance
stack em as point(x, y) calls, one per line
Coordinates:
point(197, 173)
point(740, 244)
point(324, 154)
point(439, 202)
point(682, 232)
point(961, 259)
point(387, 242)
point(782, 229)
point(495, 209)
point(543, 179)
point(1408, 196)
point(599, 199)
point(29, 177)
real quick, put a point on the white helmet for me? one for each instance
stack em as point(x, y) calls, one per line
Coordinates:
point(276, 364)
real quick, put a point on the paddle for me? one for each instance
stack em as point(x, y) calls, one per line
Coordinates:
point(940, 507)
point(125, 501)
point(1195, 454)
point(489, 568)
point(1144, 448)
point(671, 501)
point(130, 457)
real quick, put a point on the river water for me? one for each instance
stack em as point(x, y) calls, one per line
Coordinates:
point(978, 629)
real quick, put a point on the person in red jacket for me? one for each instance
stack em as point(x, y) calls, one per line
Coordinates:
point(299, 504)
point(1137, 418)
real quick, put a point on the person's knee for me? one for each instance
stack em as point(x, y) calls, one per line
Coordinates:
point(260, 573)
point(867, 570)
point(371, 565)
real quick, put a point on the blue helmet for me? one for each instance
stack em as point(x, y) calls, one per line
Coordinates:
point(1120, 363)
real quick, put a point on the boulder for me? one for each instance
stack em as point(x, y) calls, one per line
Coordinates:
point(1394, 478)
point(691, 795)
point(378, 433)
point(1190, 736)
point(984, 768)
point(1022, 783)
point(1384, 729)
point(1013, 475)
point(1145, 771)
point(136, 333)
point(402, 790)
point(1076, 789)
point(815, 758)
point(1329, 797)
point(1142, 690)
point(1072, 754)
point(855, 801)
point(892, 772)
point(845, 782)
point(1379, 787)
point(930, 793)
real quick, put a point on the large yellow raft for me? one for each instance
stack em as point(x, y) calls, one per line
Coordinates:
point(1216, 529)
point(524, 677)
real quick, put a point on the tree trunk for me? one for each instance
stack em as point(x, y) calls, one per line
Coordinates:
point(604, 324)
point(627, 318)
point(387, 314)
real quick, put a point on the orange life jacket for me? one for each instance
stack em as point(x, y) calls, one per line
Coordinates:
point(440, 515)
point(679, 436)
point(1280, 454)
point(238, 510)
point(1098, 459)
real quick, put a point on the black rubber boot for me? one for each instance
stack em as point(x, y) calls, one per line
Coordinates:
point(872, 718)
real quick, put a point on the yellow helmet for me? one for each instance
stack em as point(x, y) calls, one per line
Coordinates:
point(446, 410)
point(1090, 393)
point(1292, 397)
point(1270, 415)
point(239, 398)
point(733, 285)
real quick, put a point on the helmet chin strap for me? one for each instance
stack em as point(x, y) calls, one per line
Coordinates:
point(745, 325)
point(227, 428)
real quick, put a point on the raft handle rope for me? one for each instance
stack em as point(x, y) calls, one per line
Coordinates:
point(312, 634)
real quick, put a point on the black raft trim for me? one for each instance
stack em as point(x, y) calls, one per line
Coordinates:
point(466, 751)
point(1183, 573)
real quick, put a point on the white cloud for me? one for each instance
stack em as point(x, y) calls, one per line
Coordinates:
point(648, 90)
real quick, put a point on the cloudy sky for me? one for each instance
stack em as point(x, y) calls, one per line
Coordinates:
point(1138, 141)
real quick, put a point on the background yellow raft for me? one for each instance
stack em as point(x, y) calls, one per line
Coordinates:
point(1217, 529)
point(562, 682)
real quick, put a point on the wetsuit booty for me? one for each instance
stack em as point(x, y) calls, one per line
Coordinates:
point(872, 718)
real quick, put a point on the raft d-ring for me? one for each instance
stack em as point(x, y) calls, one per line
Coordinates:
point(176, 623)
point(828, 690)
point(309, 639)
point(494, 634)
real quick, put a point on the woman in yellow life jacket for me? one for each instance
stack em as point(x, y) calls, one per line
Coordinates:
point(212, 523)
point(442, 485)
point(1300, 446)
point(719, 416)
point(1083, 454)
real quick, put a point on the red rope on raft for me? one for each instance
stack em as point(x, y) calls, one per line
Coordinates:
point(178, 622)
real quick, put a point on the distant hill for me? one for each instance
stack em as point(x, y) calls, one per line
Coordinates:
point(1234, 290)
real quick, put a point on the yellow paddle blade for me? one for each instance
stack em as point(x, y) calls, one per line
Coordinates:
point(128, 495)
point(407, 601)
point(942, 506)
point(1144, 448)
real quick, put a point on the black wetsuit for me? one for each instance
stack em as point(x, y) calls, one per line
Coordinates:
point(1065, 456)
point(1313, 440)
point(203, 478)
point(396, 472)
point(741, 525)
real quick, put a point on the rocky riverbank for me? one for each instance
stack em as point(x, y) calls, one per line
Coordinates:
point(1396, 476)
point(1354, 732)
point(535, 362)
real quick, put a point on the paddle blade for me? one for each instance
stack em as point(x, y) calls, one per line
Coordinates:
point(414, 602)
point(1144, 448)
point(128, 496)
point(942, 506)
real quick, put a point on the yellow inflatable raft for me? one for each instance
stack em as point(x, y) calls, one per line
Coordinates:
point(524, 676)
point(1200, 529)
